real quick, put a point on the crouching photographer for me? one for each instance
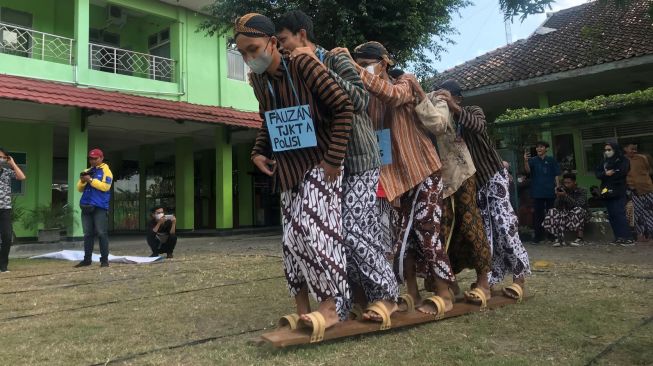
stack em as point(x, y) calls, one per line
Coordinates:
point(569, 212)
point(161, 233)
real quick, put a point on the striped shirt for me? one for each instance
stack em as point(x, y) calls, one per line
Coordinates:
point(413, 155)
point(331, 111)
point(485, 157)
point(363, 148)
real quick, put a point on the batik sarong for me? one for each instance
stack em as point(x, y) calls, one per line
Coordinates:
point(367, 265)
point(502, 230)
point(313, 246)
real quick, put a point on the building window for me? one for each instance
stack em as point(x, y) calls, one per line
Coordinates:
point(159, 45)
point(17, 40)
point(238, 70)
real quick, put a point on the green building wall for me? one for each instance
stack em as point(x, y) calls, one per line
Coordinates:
point(201, 78)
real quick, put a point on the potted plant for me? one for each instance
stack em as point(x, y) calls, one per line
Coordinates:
point(17, 214)
point(52, 219)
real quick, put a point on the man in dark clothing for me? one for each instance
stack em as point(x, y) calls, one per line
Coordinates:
point(544, 171)
point(569, 212)
point(161, 233)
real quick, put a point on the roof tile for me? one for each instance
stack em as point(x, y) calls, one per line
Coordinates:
point(586, 35)
point(48, 92)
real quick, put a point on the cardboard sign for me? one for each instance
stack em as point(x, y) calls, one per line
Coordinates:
point(291, 128)
point(385, 146)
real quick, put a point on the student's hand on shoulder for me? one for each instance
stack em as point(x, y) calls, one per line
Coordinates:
point(331, 172)
point(341, 50)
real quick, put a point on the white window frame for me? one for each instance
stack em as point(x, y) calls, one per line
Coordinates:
point(234, 55)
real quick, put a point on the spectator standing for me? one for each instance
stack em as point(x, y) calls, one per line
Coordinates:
point(95, 185)
point(8, 171)
point(544, 171)
point(612, 172)
point(640, 184)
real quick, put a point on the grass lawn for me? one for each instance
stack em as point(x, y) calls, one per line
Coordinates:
point(203, 307)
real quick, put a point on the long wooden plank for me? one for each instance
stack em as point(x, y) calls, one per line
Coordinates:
point(285, 337)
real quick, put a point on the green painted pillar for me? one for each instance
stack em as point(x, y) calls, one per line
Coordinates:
point(206, 164)
point(77, 161)
point(82, 26)
point(44, 163)
point(223, 179)
point(145, 161)
point(245, 186)
point(184, 183)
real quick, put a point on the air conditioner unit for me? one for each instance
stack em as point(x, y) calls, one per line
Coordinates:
point(116, 16)
point(9, 37)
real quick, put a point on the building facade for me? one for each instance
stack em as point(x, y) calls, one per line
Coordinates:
point(168, 105)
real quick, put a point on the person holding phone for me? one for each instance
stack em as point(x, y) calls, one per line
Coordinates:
point(544, 171)
point(569, 212)
point(8, 171)
point(95, 185)
point(161, 232)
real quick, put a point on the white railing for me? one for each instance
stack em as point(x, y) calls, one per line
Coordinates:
point(119, 61)
point(25, 42)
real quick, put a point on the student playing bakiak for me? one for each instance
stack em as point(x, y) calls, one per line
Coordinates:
point(370, 274)
point(304, 154)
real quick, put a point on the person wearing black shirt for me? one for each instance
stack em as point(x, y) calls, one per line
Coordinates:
point(161, 233)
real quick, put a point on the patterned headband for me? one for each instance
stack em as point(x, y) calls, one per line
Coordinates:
point(254, 25)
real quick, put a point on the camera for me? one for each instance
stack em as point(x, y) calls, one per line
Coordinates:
point(168, 217)
point(83, 174)
point(560, 189)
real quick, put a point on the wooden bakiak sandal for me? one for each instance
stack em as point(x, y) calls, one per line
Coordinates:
point(291, 321)
point(380, 309)
point(409, 301)
point(439, 304)
point(477, 297)
point(514, 291)
point(318, 323)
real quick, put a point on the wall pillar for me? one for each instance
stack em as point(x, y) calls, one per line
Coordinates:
point(145, 161)
point(82, 26)
point(245, 186)
point(223, 179)
point(184, 183)
point(44, 163)
point(77, 161)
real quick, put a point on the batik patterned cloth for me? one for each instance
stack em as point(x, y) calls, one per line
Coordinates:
point(367, 266)
point(501, 227)
point(313, 246)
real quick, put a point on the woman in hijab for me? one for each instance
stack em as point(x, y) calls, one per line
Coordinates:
point(612, 172)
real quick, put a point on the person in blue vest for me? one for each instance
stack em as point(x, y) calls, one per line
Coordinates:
point(544, 171)
point(95, 185)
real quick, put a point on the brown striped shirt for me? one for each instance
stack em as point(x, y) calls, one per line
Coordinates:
point(413, 155)
point(485, 157)
point(331, 111)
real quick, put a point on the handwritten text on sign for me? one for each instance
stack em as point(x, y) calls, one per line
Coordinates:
point(291, 128)
point(385, 146)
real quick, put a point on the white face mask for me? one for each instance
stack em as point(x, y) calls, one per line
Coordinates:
point(609, 154)
point(261, 63)
point(372, 68)
point(3, 160)
point(158, 216)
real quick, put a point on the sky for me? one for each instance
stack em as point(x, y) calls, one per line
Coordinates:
point(481, 29)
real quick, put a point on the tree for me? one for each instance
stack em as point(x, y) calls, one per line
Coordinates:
point(408, 28)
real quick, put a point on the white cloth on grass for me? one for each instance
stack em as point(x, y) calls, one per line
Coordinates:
point(78, 255)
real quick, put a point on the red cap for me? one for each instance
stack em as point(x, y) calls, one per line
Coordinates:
point(96, 153)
